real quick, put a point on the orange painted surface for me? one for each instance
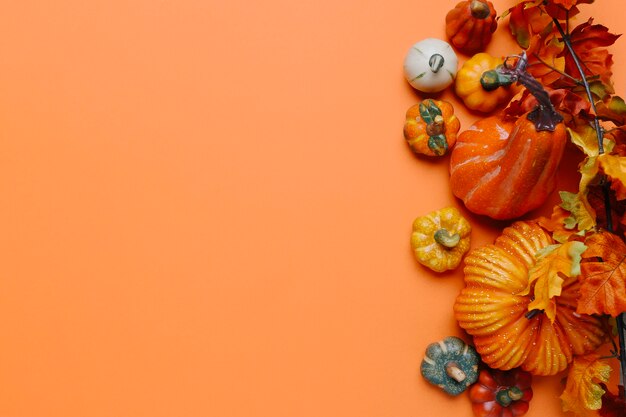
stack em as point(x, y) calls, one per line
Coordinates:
point(205, 210)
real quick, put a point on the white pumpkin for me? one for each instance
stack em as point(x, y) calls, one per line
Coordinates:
point(430, 65)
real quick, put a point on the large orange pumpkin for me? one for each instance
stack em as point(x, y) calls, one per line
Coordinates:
point(491, 310)
point(504, 167)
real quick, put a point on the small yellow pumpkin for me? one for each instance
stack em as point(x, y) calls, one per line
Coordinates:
point(440, 239)
point(492, 309)
point(480, 87)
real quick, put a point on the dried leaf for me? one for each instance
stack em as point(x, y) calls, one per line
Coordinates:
point(585, 138)
point(554, 264)
point(589, 41)
point(582, 391)
point(612, 109)
point(563, 100)
point(563, 9)
point(545, 58)
point(603, 276)
point(583, 215)
point(528, 19)
point(557, 225)
point(613, 405)
point(614, 167)
point(597, 198)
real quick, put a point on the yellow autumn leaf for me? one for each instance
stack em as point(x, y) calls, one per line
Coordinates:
point(584, 136)
point(583, 391)
point(582, 212)
point(614, 167)
point(554, 264)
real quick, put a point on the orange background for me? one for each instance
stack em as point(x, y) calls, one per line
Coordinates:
point(205, 210)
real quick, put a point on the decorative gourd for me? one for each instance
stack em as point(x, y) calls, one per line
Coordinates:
point(451, 364)
point(504, 167)
point(479, 85)
point(491, 309)
point(470, 24)
point(501, 394)
point(430, 65)
point(440, 239)
point(431, 127)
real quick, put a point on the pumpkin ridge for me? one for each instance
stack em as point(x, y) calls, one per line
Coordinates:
point(491, 310)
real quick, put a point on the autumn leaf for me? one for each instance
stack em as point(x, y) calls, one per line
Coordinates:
point(545, 58)
point(615, 168)
point(526, 20)
point(563, 9)
point(557, 224)
point(583, 214)
point(597, 198)
point(589, 41)
point(585, 137)
point(603, 276)
point(563, 100)
point(613, 405)
point(582, 390)
point(554, 264)
point(612, 109)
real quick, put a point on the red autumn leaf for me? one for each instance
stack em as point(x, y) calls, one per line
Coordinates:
point(563, 9)
point(612, 108)
point(589, 41)
point(603, 276)
point(526, 20)
point(564, 100)
point(568, 4)
point(613, 405)
point(545, 58)
point(596, 198)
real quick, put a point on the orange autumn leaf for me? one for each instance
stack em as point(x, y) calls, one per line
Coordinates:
point(545, 58)
point(583, 391)
point(554, 264)
point(558, 225)
point(614, 167)
point(527, 19)
point(603, 276)
point(563, 100)
point(589, 41)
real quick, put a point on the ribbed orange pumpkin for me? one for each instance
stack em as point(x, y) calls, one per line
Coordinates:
point(470, 24)
point(491, 310)
point(503, 167)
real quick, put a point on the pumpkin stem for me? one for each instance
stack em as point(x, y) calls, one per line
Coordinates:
point(479, 9)
point(544, 115)
point(506, 396)
point(454, 372)
point(492, 79)
point(443, 237)
point(435, 62)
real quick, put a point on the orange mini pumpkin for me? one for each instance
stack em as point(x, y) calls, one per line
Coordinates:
point(431, 127)
point(491, 309)
point(470, 24)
